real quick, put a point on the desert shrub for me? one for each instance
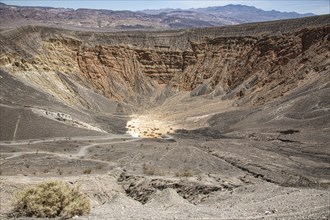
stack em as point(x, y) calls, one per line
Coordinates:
point(148, 170)
point(151, 171)
point(46, 170)
point(186, 173)
point(88, 171)
point(49, 199)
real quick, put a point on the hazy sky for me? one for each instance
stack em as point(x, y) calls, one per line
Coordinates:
point(313, 6)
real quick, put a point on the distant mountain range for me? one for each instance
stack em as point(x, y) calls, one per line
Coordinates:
point(162, 19)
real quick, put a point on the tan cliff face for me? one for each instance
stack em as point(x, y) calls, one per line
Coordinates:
point(264, 66)
point(257, 67)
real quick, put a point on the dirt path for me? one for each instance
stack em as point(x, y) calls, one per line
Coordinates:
point(78, 138)
point(81, 153)
point(83, 150)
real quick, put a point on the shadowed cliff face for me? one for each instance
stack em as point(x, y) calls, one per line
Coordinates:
point(251, 69)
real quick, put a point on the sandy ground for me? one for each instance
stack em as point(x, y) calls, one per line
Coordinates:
point(190, 113)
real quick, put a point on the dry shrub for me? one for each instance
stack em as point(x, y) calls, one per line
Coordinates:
point(186, 173)
point(151, 171)
point(88, 171)
point(51, 198)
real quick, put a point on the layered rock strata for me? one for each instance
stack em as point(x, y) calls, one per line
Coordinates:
point(259, 66)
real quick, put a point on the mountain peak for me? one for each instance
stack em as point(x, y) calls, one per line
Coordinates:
point(167, 18)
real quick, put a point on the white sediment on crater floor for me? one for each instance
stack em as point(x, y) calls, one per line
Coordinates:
point(149, 126)
point(133, 134)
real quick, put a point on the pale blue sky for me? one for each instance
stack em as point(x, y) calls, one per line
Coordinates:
point(313, 6)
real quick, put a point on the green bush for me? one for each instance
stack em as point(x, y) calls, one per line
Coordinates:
point(51, 198)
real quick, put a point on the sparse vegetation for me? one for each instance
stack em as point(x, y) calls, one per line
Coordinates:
point(99, 23)
point(46, 171)
point(151, 171)
point(59, 171)
point(186, 173)
point(49, 199)
point(88, 171)
point(148, 170)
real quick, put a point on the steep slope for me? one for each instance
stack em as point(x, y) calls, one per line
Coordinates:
point(255, 64)
point(27, 112)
